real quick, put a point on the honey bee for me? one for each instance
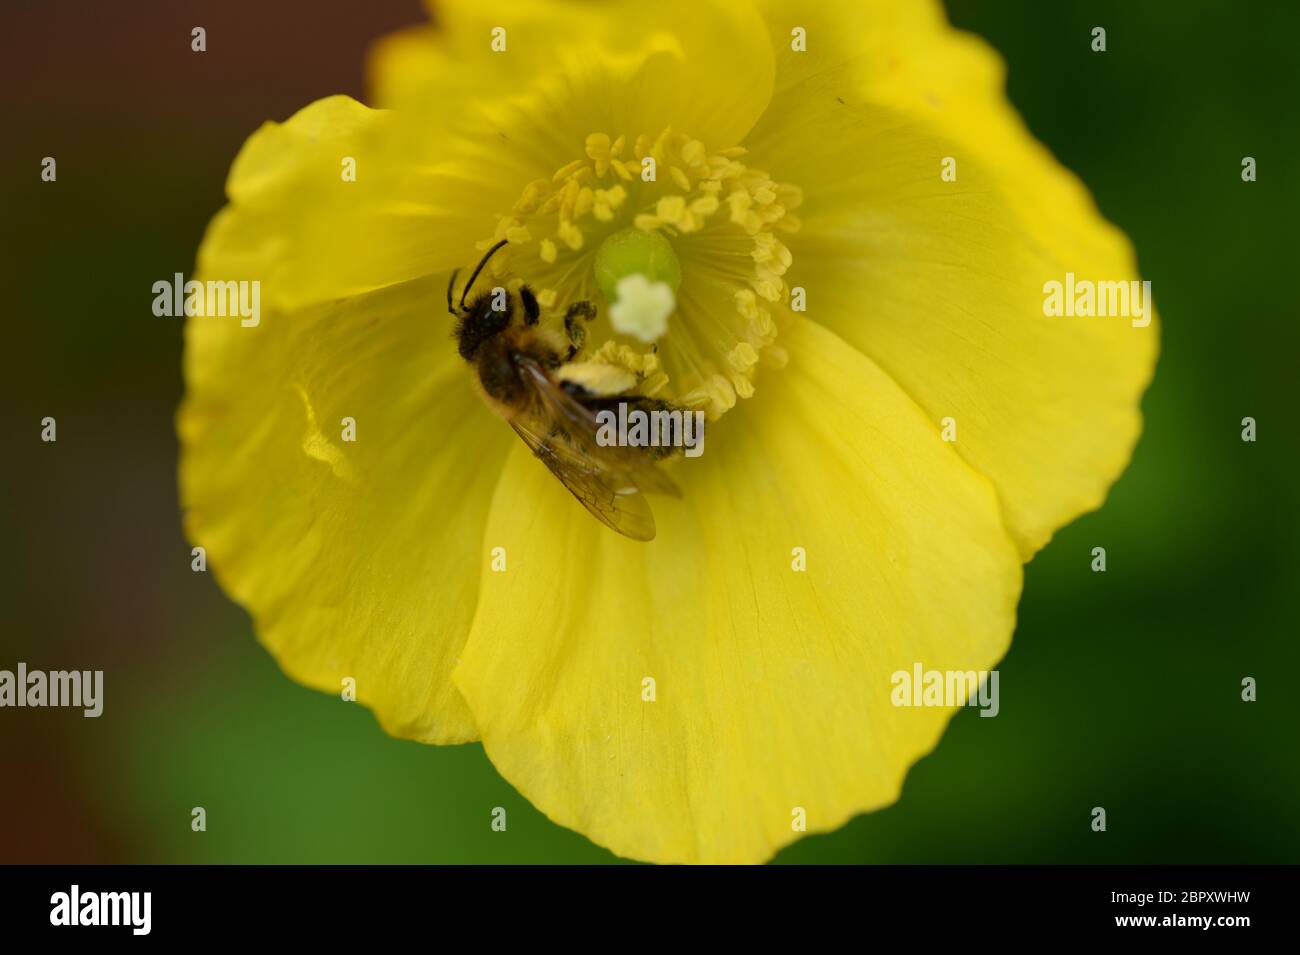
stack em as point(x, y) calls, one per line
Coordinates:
point(527, 375)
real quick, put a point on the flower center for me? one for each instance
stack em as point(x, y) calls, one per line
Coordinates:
point(675, 246)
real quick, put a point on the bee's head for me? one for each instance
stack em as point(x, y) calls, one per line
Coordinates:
point(487, 315)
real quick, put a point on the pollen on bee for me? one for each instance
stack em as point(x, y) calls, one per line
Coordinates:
point(597, 377)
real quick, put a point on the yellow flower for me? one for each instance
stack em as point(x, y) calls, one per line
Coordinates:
point(689, 698)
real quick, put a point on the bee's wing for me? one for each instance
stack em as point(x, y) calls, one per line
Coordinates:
point(652, 478)
point(617, 504)
point(580, 428)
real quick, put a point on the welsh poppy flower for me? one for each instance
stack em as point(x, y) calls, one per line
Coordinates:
point(862, 228)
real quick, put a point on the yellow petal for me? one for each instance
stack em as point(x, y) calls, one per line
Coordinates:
point(942, 283)
point(449, 64)
point(299, 226)
point(772, 686)
point(570, 68)
point(357, 559)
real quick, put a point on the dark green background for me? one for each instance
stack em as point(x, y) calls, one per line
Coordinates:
point(1121, 689)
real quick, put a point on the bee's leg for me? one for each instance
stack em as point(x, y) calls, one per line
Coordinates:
point(577, 337)
point(576, 332)
point(532, 311)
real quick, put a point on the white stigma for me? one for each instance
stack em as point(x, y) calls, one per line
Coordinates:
point(642, 307)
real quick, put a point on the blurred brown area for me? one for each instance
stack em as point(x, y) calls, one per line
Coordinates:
point(95, 571)
point(133, 62)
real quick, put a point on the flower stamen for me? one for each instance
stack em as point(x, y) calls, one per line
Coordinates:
point(674, 243)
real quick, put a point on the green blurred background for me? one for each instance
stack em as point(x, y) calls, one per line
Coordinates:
point(1121, 689)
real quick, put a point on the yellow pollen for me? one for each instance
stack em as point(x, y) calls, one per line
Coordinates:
point(726, 222)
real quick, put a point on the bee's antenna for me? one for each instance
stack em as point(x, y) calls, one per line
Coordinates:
point(470, 284)
point(451, 285)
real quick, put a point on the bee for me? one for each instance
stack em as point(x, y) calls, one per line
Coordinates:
point(527, 375)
